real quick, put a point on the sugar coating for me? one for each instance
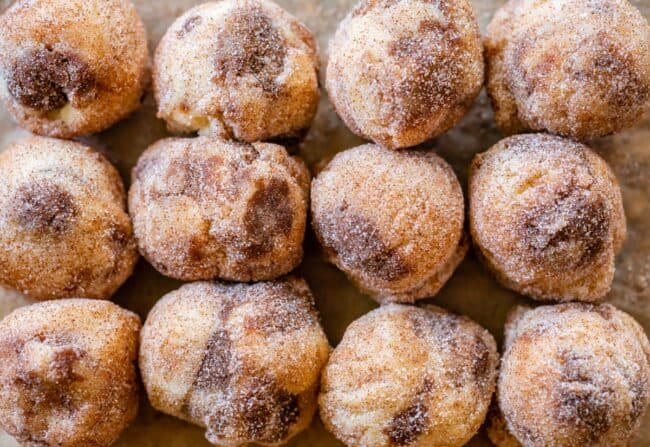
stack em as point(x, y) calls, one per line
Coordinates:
point(392, 221)
point(409, 376)
point(205, 208)
point(243, 69)
point(64, 230)
point(242, 360)
point(72, 67)
point(546, 215)
point(68, 376)
point(573, 375)
point(580, 69)
point(402, 72)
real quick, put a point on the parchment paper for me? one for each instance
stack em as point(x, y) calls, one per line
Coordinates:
point(471, 291)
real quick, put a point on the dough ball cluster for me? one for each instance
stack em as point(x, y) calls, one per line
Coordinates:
point(408, 376)
point(391, 220)
point(574, 375)
point(243, 69)
point(546, 215)
point(242, 360)
point(64, 230)
point(580, 69)
point(68, 376)
point(403, 72)
point(204, 208)
point(72, 67)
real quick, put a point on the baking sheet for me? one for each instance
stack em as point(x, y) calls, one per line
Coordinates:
point(471, 291)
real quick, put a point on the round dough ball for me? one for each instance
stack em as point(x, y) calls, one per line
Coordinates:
point(580, 69)
point(243, 69)
point(205, 208)
point(242, 360)
point(391, 220)
point(72, 67)
point(574, 375)
point(403, 72)
point(68, 376)
point(64, 230)
point(546, 215)
point(408, 376)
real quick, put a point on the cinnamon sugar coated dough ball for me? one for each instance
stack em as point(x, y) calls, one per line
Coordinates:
point(72, 67)
point(241, 360)
point(580, 69)
point(546, 216)
point(64, 230)
point(242, 69)
point(391, 220)
point(68, 376)
point(402, 72)
point(409, 376)
point(205, 208)
point(574, 375)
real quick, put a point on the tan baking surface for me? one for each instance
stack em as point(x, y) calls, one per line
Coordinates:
point(471, 291)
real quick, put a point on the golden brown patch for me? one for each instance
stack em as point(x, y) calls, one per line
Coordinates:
point(435, 81)
point(585, 225)
point(250, 45)
point(622, 86)
point(359, 245)
point(640, 395)
point(281, 318)
point(443, 327)
point(269, 214)
point(190, 175)
point(46, 386)
point(481, 360)
point(581, 403)
point(44, 207)
point(268, 412)
point(215, 371)
point(47, 79)
point(258, 411)
point(410, 423)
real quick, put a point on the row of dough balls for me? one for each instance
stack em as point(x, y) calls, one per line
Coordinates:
point(545, 215)
point(201, 209)
point(251, 363)
point(238, 68)
point(403, 72)
point(399, 72)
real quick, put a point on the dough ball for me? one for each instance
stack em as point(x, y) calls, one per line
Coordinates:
point(391, 220)
point(574, 375)
point(579, 69)
point(408, 376)
point(241, 360)
point(72, 67)
point(243, 69)
point(205, 208)
point(68, 376)
point(546, 215)
point(64, 230)
point(403, 72)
